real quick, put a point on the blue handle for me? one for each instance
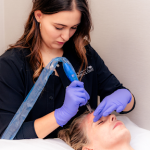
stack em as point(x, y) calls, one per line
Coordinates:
point(70, 73)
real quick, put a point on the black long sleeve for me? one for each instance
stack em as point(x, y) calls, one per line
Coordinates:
point(12, 93)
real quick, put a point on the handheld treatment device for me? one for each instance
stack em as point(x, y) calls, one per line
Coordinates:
point(34, 93)
point(71, 74)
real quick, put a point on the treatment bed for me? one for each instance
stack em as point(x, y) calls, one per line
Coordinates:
point(140, 139)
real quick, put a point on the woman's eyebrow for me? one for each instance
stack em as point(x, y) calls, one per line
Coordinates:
point(66, 25)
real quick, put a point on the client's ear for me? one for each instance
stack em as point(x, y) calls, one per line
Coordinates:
point(86, 148)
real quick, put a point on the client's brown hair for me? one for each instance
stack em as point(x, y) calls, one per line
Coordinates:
point(75, 135)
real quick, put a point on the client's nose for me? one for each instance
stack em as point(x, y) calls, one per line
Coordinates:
point(112, 118)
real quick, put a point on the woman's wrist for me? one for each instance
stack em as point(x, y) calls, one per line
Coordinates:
point(45, 125)
point(129, 105)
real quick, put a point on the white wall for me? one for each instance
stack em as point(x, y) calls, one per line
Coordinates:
point(14, 14)
point(122, 37)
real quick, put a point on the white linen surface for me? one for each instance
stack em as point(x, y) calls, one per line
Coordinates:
point(34, 144)
point(140, 139)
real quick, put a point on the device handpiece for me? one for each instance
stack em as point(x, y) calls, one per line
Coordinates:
point(89, 107)
point(70, 73)
point(72, 76)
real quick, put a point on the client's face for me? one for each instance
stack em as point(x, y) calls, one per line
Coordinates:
point(106, 133)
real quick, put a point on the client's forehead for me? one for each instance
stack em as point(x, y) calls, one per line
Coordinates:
point(90, 118)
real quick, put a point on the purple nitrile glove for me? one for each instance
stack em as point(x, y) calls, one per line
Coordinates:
point(75, 96)
point(116, 101)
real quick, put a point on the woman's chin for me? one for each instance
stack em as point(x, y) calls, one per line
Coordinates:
point(123, 135)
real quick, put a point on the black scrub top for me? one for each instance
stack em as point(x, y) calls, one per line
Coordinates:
point(16, 82)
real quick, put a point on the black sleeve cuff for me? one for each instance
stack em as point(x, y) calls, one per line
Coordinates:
point(125, 112)
point(26, 131)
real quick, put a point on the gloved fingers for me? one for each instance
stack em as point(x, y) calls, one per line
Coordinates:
point(76, 84)
point(99, 111)
point(97, 117)
point(99, 108)
point(82, 90)
point(119, 109)
point(80, 95)
point(105, 112)
point(109, 110)
point(76, 89)
point(81, 101)
point(81, 98)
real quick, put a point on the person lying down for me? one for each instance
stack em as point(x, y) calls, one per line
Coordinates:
point(107, 133)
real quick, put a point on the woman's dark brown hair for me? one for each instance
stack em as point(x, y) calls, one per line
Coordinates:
point(31, 37)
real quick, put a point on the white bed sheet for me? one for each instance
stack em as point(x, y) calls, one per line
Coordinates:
point(34, 144)
point(140, 140)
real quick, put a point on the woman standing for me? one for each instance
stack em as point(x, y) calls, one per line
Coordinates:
point(57, 28)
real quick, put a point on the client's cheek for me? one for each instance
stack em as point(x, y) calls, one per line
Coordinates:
point(87, 129)
point(93, 139)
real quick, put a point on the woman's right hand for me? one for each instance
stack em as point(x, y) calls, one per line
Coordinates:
point(75, 96)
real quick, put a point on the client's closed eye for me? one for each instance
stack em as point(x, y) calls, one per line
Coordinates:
point(100, 122)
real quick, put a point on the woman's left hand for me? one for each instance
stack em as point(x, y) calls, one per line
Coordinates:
point(116, 101)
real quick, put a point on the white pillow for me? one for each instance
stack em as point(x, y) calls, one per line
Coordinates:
point(34, 144)
point(140, 140)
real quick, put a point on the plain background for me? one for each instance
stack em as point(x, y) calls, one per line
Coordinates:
point(121, 36)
